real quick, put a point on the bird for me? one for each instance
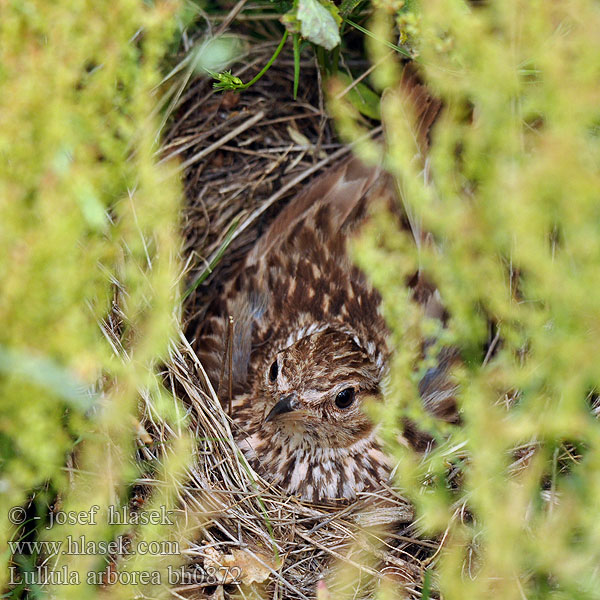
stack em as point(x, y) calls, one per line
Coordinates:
point(296, 344)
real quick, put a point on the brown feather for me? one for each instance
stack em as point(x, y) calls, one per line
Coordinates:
point(307, 330)
point(342, 190)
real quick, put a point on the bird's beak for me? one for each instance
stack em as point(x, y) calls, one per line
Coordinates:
point(285, 405)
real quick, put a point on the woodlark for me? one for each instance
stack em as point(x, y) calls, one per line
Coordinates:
point(307, 345)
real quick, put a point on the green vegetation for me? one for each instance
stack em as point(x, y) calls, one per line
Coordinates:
point(512, 204)
point(88, 219)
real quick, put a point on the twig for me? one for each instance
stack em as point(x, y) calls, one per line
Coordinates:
point(233, 13)
point(363, 76)
point(339, 556)
point(216, 145)
point(230, 351)
point(491, 348)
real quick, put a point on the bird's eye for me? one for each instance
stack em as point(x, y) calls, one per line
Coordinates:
point(273, 371)
point(345, 398)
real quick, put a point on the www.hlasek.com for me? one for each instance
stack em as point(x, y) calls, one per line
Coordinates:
point(73, 546)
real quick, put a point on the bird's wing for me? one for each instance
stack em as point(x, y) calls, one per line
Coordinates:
point(304, 249)
point(344, 190)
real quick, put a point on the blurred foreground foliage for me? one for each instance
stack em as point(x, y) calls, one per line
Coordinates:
point(88, 218)
point(510, 193)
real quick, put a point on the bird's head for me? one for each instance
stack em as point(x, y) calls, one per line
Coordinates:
point(317, 387)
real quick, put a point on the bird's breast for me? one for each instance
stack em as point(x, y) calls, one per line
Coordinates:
point(315, 473)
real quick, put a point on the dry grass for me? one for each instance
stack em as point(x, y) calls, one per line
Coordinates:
point(295, 542)
point(245, 155)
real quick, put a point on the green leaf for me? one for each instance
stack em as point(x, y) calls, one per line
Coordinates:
point(379, 39)
point(362, 97)
point(348, 6)
point(317, 20)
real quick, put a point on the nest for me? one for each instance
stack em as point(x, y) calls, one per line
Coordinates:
point(243, 157)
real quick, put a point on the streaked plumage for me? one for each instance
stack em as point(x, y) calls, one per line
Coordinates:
point(309, 344)
point(298, 303)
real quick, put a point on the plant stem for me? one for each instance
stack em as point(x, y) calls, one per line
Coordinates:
point(268, 65)
point(321, 58)
point(296, 41)
point(335, 60)
point(372, 35)
point(209, 269)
